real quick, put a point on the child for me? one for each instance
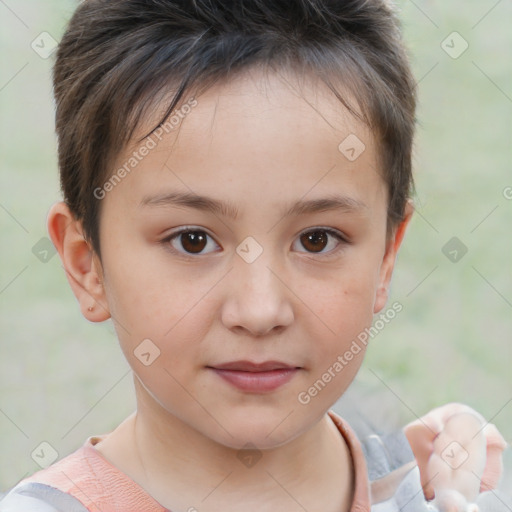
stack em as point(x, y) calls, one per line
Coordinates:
point(236, 181)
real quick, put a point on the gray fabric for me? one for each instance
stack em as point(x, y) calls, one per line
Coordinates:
point(37, 497)
point(494, 501)
point(408, 497)
point(386, 453)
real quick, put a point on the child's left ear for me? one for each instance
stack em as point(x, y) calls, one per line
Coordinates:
point(388, 262)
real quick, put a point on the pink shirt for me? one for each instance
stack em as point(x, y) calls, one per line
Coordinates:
point(101, 487)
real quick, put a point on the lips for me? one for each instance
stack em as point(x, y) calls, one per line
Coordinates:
point(248, 366)
point(254, 377)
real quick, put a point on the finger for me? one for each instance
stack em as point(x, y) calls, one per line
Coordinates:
point(421, 435)
point(494, 465)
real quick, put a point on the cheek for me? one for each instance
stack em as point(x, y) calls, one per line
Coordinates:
point(346, 305)
point(339, 335)
point(344, 310)
point(148, 294)
point(158, 315)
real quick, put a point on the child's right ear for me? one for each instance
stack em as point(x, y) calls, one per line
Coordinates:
point(82, 266)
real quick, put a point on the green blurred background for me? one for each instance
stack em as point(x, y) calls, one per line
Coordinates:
point(63, 379)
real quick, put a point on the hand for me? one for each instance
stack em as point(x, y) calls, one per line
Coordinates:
point(476, 451)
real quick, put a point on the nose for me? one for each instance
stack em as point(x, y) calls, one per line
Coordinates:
point(258, 301)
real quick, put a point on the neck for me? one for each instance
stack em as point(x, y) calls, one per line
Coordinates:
point(312, 469)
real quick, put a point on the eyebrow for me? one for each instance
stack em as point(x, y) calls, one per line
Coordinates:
point(228, 209)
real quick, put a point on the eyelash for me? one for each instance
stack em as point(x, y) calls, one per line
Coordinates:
point(336, 234)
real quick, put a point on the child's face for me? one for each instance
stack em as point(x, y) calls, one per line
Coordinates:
point(261, 147)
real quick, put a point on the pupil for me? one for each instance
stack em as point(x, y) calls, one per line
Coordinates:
point(315, 237)
point(193, 241)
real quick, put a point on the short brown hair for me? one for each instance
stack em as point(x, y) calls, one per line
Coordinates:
point(117, 56)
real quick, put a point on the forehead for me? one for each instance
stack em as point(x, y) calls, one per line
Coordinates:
point(258, 137)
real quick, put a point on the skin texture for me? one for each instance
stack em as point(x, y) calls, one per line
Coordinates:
point(261, 144)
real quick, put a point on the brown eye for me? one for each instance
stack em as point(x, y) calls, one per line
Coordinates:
point(314, 241)
point(193, 241)
point(189, 241)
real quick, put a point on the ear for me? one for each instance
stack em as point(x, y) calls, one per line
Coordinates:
point(388, 261)
point(82, 266)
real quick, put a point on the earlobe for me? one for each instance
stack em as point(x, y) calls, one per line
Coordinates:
point(82, 267)
point(388, 263)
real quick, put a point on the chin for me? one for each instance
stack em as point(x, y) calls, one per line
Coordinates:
point(254, 439)
point(261, 429)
